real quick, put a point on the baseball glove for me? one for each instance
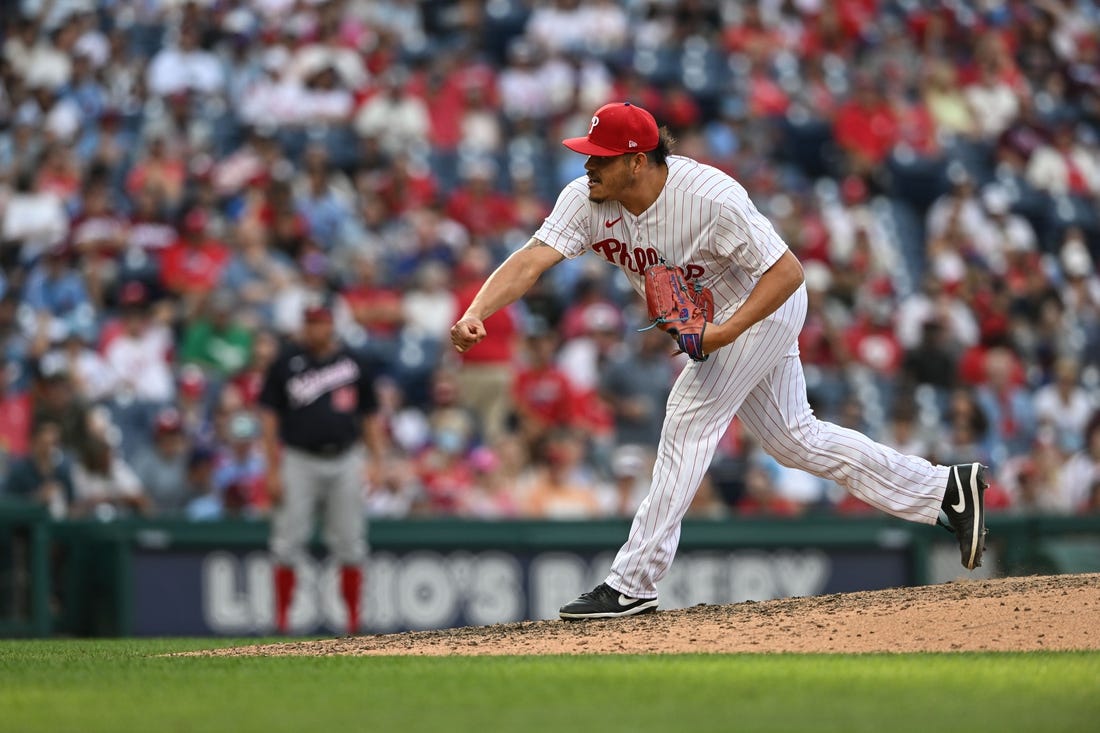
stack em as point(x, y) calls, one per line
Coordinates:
point(678, 308)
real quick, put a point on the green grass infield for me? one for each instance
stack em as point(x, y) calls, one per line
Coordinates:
point(121, 685)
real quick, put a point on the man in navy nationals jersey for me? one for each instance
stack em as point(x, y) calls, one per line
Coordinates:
point(318, 416)
point(639, 205)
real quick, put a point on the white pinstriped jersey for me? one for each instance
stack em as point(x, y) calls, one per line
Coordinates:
point(703, 220)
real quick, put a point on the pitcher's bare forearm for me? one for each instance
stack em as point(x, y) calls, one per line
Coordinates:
point(513, 278)
point(506, 285)
point(771, 291)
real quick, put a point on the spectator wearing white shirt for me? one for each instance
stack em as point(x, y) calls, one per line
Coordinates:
point(850, 220)
point(329, 53)
point(258, 103)
point(572, 26)
point(1006, 232)
point(294, 296)
point(1082, 470)
point(22, 36)
point(481, 129)
point(185, 67)
point(323, 100)
point(48, 62)
point(935, 303)
point(397, 118)
point(430, 303)
point(33, 221)
point(140, 354)
point(92, 378)
point(993, 103)
point(960, 208)
point(1065, 405)
point(1065, 166)
point(558, 26)
point(402, 19)
point(524, 83)
point(104, 485)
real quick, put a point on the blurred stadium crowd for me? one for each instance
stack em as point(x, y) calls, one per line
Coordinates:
point(177, 177)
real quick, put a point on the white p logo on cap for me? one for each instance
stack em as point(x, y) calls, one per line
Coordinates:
point(595, 121)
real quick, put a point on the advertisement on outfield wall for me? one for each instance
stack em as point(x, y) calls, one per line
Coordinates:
point(220, 592)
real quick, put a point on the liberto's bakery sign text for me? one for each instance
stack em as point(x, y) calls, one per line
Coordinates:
point(229, 593)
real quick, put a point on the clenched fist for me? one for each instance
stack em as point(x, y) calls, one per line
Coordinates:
point(467, 332)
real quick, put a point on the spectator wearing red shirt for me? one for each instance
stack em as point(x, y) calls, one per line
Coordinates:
point(98, 234)
point(819, 342)
point(751, 36)
point(588, 292)
point(633, 86)
point(240, 468)
point(765, 97)
point(681, 111)
point(543, 395)
point(161, 170)
point(866, 127)
point(58, 174)
point(445, 111)
point(374, 303)
point(149, 232)
point(871, 340)
point(99, 230)
point(829, 33)
point(193, 266)
point(15, 420)
point(445, 84)
point(916, 128)
point(478, 206)
point(406, 186)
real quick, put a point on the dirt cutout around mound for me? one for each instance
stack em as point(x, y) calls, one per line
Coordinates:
point(1009, 614)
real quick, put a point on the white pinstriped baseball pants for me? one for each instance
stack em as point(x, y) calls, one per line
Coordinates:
point(759, 378)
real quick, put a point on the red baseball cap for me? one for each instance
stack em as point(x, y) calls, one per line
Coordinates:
point(617, 128)
point(317, 312)
point(169, 421)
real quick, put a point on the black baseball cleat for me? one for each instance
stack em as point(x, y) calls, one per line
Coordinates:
point(964, 505)
point(603, 601)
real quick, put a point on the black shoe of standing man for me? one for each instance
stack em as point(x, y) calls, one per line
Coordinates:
point(603, 601)
point(964, 505)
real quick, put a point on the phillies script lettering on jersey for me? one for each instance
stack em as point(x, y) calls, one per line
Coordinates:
point(702, 221)
point(637, 259)
point(304, 389)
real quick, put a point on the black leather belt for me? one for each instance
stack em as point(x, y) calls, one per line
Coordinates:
point(326, 451)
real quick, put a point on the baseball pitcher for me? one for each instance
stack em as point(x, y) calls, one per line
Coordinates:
point(726, 288)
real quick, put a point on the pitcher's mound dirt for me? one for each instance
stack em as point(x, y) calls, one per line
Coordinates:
point(1009, 614)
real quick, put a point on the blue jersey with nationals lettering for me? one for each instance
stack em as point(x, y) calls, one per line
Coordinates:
point(320, 402)
point(703, 220)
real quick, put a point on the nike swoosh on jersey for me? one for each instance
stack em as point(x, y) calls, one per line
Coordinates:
point(960, 507)
point(612, 222)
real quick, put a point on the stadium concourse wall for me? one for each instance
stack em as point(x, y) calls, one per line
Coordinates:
point(167, 578)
